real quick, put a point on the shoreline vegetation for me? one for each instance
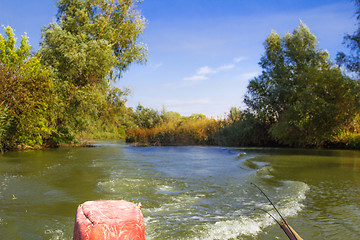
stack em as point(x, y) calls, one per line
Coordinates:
point(238, 129)
point(65, 91)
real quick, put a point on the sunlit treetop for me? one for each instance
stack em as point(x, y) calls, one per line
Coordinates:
point(10, 55)
point(93, 40)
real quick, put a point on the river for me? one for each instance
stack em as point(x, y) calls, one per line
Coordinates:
point(188, 192)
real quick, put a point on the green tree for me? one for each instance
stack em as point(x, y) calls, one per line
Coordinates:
point(146, 117)
point(93, 40)
point(302, 97)
point(197, 116)
point(10, 55)
point(352, 60)
point(168, 116)
point(5, 122)
point(242, 128)
point(26, 100)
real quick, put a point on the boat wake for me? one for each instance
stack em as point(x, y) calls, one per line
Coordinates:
point(254, 223)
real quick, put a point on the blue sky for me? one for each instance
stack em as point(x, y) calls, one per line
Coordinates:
point(202, 53)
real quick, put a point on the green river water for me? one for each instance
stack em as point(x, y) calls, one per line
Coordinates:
point(186, 192)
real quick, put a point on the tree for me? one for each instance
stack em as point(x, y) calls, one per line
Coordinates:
point(5, 122)
point(92, 43)
point(146, 117)
point(26, 100)
point(93, 40)
point(302, 97)
point(10, 55)
point(242, 128)
point(352, 61)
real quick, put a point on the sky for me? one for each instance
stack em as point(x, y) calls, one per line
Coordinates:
point(202, 53)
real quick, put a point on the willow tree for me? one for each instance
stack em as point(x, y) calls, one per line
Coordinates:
point(303, 98)
point(93, 40)
point(91, 43)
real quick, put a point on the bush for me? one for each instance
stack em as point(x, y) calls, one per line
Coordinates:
point(26, 96)
point(176, 132)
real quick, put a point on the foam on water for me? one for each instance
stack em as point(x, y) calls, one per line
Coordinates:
point(231, 229)
point(177, 202)
point(56, 234)
point(116, 185)
point(211, 225)
point(165, 188)
point(252, 224)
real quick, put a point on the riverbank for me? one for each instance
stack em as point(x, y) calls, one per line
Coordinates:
point(76, 144)
point(230, 132)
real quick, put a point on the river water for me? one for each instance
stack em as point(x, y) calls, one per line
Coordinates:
point(186, 192)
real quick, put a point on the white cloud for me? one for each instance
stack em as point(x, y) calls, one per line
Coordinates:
point(186, 81)
point(201, 74)
point(195, 78)
point(205, 70)
point(239, 59)
point(249, 75)
point(225, 67)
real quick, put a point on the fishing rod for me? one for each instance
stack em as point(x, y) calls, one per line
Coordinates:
point(269, 215)
point(292, 235)
point(269, 200)
point(289, 231)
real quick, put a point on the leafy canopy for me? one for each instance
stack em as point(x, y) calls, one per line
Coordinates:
point(26, 101)
point(93, 40)
point(10, 55)
point(301, 96)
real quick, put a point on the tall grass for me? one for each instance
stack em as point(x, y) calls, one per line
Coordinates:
point(176, 132)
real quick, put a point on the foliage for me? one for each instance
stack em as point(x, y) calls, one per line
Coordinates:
point(64, 90)
point(77, 109)
point(25, 96)
point(146, 117)
point(238, 129)
point(352, 61)
point(170, 116)
point(303, 99)
point(5, 121)
point(176, 132)
point(93, 40)
point(242, 128)
point(112, 117)
point(283, 63)
point(170, 128)
point(10, 55)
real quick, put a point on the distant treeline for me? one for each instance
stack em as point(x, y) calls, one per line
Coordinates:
point(65, 91)
point(170, 128)
point(301, 99)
